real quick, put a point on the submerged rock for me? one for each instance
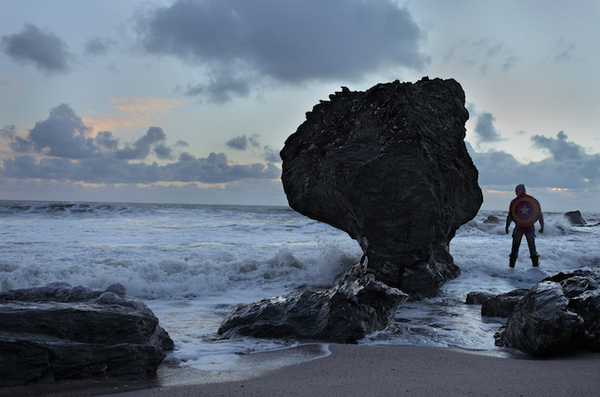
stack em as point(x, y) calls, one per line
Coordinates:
point(560, 314)
point(356, 306)
point(500, 305)
point(492, 219)
point(390, 167)
point(56, 332)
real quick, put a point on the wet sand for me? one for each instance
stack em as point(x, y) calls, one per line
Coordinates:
point(352, 370)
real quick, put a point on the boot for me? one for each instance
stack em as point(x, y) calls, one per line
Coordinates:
point(513, 260)
point(535, 260)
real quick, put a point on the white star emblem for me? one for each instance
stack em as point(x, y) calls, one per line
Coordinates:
point(524, 210)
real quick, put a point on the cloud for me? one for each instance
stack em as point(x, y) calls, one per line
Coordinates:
point(241, 142)
point(485, 130)
point(559, 148)
point(272, 154)
point(238, 143)
point(69, 155)
point(9, 131)
point(484, 54)
point(239, 44)
point(213, 169)
point(564, 51)
point(141, 148)
point(568, 167)
point(45, 50)
point(62, 134)
point(98, 46)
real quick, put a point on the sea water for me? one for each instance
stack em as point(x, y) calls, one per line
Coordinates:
point(191, 264)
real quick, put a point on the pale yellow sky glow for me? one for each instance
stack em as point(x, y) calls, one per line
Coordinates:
point(130, 114)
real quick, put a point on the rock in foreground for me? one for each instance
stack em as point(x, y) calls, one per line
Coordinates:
point(560, 314)
point(355, 307)
point(390, 167)
point(57, 332)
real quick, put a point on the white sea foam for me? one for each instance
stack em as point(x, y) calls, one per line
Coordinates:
point(192, 264)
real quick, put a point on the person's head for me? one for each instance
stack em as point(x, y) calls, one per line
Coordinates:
point(520, 189)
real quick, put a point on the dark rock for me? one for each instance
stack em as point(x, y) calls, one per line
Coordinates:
point(492, 219)
point(575, 218)
point(560, 314)
point(502, 305)
point(390, 167)
point(478, 297)
point(57, 332)
point(355, 307)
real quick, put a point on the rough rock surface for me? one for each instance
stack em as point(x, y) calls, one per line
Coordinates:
point(390, 167)
point(500, 305)
point(560, 314)
point(575, 218)
point(356, 306)
point(56, 332)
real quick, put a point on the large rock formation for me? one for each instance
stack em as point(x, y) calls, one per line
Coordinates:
point(356, 306)
point(560, 314)
point(57, 332)
point(389, 166)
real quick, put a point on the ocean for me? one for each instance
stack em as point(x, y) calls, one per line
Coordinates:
point(191, 264)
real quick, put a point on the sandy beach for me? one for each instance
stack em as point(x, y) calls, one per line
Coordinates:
point(352, 370)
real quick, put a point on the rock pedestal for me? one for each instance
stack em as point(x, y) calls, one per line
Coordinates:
point(390, 167)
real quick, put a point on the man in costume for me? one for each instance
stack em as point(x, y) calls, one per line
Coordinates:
point(524, 210)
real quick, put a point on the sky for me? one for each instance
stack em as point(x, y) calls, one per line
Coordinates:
point(190, 101)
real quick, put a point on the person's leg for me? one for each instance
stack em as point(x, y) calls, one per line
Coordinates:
point(530, 236)
point(516, 243)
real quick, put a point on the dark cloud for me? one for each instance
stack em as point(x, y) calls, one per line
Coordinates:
point(106, 140)
point(559, 148)
point(163, 152)
point(239, 43)
point(221, 89)
point(141, 148)
point(485, 130)
point(45, 50)
point(238, 143)
point(9, 131)
point(242, 142)
point(98, 46)
point(62, 134)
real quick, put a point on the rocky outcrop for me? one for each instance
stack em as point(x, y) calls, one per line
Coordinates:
point(389, 166)
point(560, 314)
point(356, 306)
point(575, 219)
point(56, 332)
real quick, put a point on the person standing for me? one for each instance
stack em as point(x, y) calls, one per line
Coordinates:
point(524, 210)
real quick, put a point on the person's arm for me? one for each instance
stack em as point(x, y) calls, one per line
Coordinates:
point(508, 220)
point(541, 220)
